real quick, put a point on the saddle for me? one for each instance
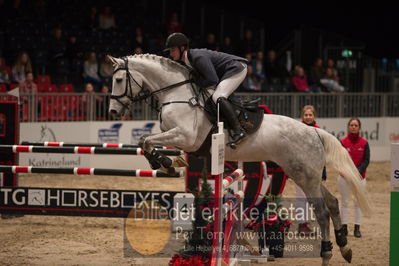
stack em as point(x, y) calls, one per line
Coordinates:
point(248, 113)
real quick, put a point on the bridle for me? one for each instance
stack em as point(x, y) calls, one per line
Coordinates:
point(143, 93)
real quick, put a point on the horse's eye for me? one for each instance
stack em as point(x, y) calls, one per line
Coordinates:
point(119, 80)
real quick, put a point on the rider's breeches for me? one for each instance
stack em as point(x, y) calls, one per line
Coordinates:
point(346, 195)
point(229, 85)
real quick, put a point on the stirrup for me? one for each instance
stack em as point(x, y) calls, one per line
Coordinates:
point(236, 140)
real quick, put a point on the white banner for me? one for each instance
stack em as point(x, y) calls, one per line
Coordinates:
point(128, 132)
point(379, 132)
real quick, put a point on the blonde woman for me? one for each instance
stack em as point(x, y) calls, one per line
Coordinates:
point(22, 66)
point(308, 116)
point(359, 151)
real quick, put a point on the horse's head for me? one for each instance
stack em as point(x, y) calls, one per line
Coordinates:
point(162, 76)
point(125, 87)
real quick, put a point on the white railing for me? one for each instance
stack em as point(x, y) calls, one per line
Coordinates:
point(79, 107)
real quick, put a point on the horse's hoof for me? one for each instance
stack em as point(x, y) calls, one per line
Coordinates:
point(171, 171)
point(326, 258)
point(179, 162)
point(346, 253)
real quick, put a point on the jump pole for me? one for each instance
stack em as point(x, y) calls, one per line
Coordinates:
point(66, 144)
point(217, 169)
point(14, 169)
point(394, 231)
point(81, 150)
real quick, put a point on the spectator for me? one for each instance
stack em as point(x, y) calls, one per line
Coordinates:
point(92, 19)
point(331, 64)
point(259, 66)
point(106, 71)
point(56, 45)
point(22, 66)
point(4, 72)
point(359, 151)
point(330, 82)
point(89, 101)
point(299, 80)
point(248, 44)
point(211, 43)
point(308, 116)
point(90, 69)
point(139, 40)
point(173, 24)
point(28, 86)
point(31, 102)
point(73, 50)
point(316, 74)
point(227, 46)
point(248, 57)
point(273, 69)
point(251, 83)
point(106, 19)
point(103, 104)
point(138, 50)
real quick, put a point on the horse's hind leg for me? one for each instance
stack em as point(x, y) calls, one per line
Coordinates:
point(315, 198)
point(340, 237)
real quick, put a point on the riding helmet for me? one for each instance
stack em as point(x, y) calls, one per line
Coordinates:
point(176, 39)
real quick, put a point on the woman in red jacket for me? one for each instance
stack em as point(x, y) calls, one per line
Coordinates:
point(308, 116)
point(359, 151)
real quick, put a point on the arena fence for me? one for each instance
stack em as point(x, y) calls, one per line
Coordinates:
point(94, 107)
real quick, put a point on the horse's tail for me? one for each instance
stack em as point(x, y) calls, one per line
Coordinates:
point(339, 159)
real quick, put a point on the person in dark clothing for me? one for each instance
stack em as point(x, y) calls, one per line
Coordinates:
point(211, 68)
point(73, 50)
point(211, 43)
point(316, 74)
point(359, 151)
point(273, 69)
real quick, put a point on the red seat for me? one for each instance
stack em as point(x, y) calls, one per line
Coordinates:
point(47, 88)
point(3, 87)
point(43, 79)
point(13, 86)
point(66, 88)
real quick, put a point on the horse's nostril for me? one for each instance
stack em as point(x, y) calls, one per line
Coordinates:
point(112, 112)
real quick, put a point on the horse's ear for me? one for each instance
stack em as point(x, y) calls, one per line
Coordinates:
point(115, 61)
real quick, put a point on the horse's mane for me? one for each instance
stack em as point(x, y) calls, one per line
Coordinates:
point(162, 60)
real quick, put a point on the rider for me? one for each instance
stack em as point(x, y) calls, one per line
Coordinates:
point(212, 68)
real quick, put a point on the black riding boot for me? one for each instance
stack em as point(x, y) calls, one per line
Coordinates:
point(230, 116)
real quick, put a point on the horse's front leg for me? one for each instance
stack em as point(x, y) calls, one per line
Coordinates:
point(170, 138)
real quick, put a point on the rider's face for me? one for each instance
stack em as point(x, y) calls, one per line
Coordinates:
point(174, 53)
